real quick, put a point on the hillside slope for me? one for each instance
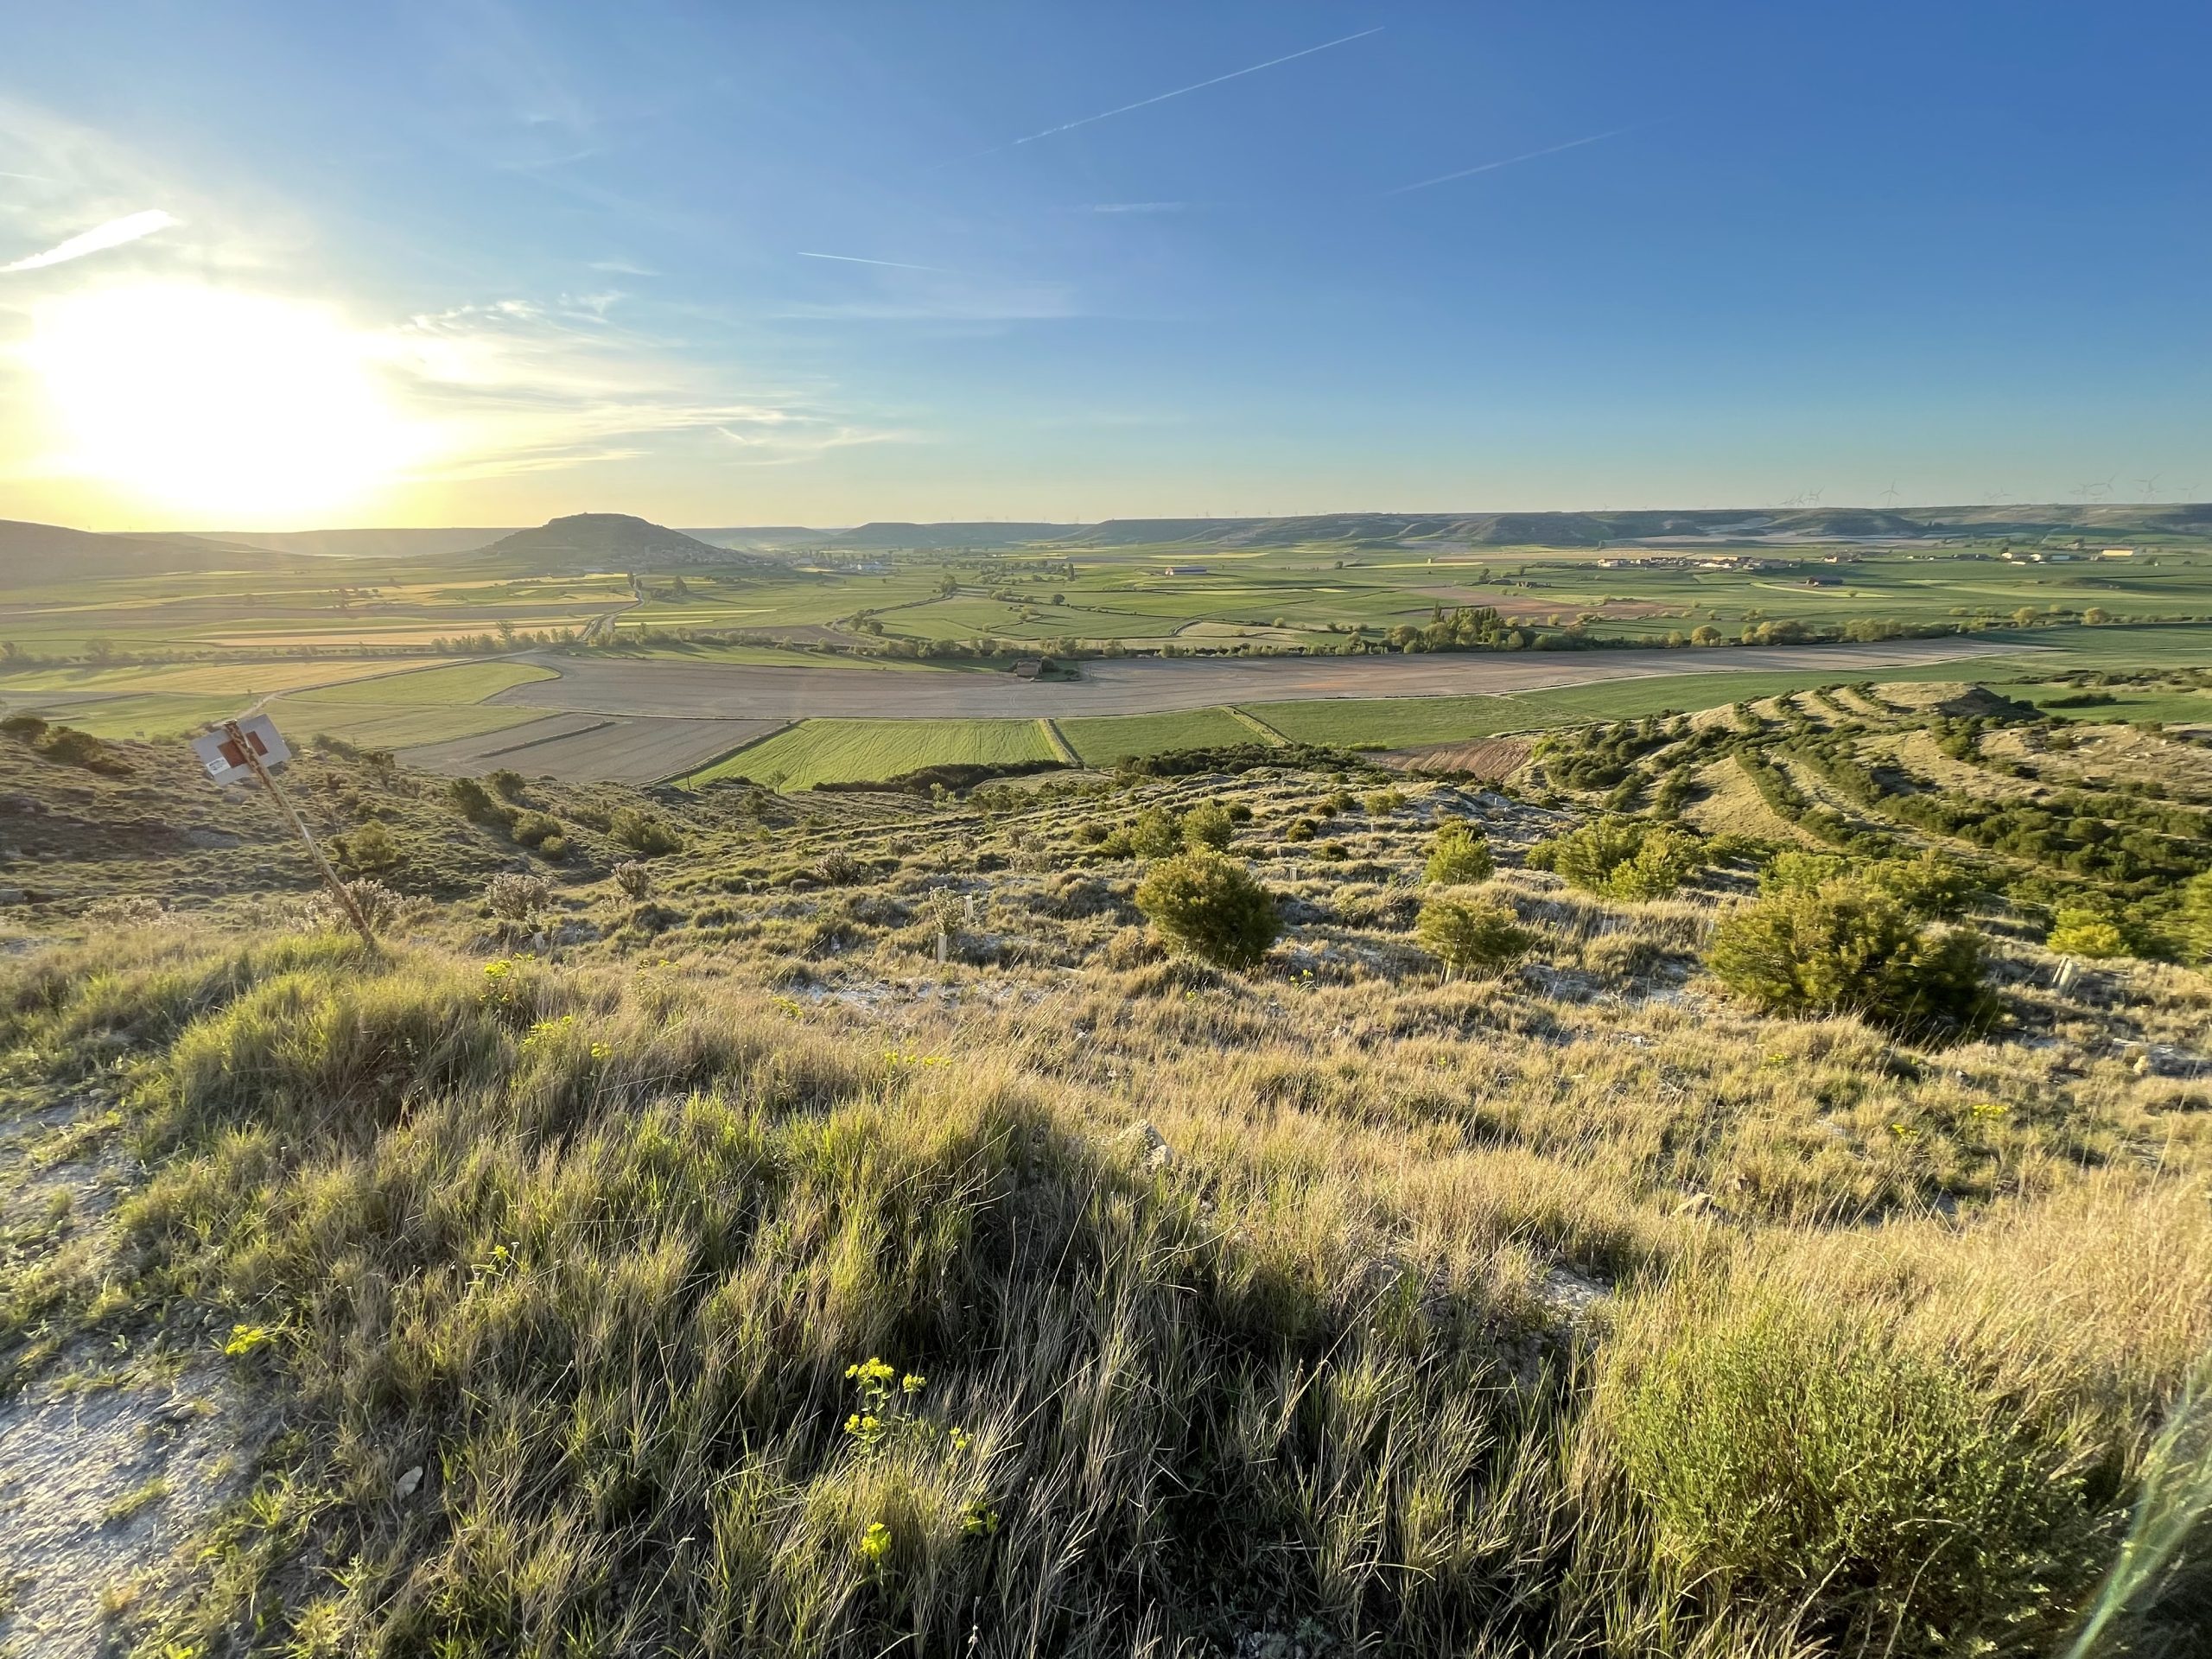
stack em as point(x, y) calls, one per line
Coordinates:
point(843, 1223)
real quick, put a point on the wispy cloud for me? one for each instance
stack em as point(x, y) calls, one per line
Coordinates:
point(1197, 86)
point(1509, 161)
point(888, 265)
point(519, 386)
point(98, 240)
point(1140, 206)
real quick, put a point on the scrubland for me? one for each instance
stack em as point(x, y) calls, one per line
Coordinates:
point(840, 1223)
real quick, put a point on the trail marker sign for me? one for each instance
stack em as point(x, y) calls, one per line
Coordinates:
point(248, 747)
point(230, 750)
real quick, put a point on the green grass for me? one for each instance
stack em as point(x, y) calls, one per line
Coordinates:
point(862, 751)
point(462, 683)
point(1103, 739)
point(152, 715)
point(395, 726)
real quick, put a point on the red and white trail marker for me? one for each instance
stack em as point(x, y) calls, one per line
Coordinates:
point(229, 751)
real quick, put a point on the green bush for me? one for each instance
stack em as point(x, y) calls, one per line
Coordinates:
point(1458, 855)
point(1621, 858)
point(1157, 833)
point(1931, 885)
point(642, 833)
point(1788, 1455)
point(1211, 907)
point(1850, 948)
point(2192, 922)
point(1470, 935)
point(1301, 830)
point(1796, 870)
point(1208, 825)
point(473, 801)
point(534, 829)
point(2085, 931)
point(507, 781)
point(365, 850)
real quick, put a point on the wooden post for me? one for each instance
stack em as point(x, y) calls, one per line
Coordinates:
point(330, 876)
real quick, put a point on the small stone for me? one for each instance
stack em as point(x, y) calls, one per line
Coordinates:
point(405, 1485)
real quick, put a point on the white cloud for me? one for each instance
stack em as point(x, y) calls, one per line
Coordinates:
point(98, 240)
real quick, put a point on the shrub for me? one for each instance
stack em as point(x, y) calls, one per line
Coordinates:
point(1796, 870)
point(635, 879)
point(1207, 826)
point(74, 748)
point(2084, 931)
point(473, 801)
point(1620, 858)
point(1301, 830)
point(642, 832)
point(1470, 935)
point(507, 781)
point(533, 829)
point(1785, 1451)
point(1383, 801)
point(1931, 885)
point(1850, 948)
point(24, 728)
point(367, 849)
point(1458, 855)
point(517, 897)
point(1156, 834)
point(1211, 907)
point(378, 905)
point(2193, 921)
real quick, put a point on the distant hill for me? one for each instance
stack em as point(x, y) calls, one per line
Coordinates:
point(607, 540)
point(957, 534)
point(757, 537)
point(40, 554)
point(385, 544)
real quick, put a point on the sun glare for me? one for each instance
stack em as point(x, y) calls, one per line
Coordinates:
point(204, 401)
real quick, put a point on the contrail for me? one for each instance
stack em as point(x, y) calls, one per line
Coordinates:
point(1510, 160)
point(855, 259)
point(1070, 126)
point(98, 240)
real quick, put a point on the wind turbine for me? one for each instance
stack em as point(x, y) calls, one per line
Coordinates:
point(2151, 486)
point(1890, 496)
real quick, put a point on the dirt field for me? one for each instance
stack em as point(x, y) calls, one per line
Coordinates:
point(1487, 758)
point(1153, 685)
point(593, 748)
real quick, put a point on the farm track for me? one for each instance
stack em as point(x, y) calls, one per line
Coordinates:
point(1157, 685)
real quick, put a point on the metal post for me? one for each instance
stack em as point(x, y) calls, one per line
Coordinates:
point(330, 876)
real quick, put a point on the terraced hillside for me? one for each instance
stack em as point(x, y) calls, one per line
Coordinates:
point(1731, 1185)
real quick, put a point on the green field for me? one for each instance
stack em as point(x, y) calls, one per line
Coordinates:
point(1102, 740)
point(400, 710)
point(862, 751)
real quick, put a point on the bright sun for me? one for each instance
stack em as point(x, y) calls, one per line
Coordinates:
point(210, 401)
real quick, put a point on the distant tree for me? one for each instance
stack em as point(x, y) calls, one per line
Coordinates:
point(101, 649)
point(1704, 634)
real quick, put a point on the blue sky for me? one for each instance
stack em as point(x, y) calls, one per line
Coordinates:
point(483, 262)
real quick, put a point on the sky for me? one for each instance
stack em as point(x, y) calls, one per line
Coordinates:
point(481, 262)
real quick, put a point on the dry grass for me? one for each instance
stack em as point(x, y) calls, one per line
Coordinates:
point(1331, 1306)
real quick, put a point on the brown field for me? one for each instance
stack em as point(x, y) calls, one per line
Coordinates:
point(1490, 759)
